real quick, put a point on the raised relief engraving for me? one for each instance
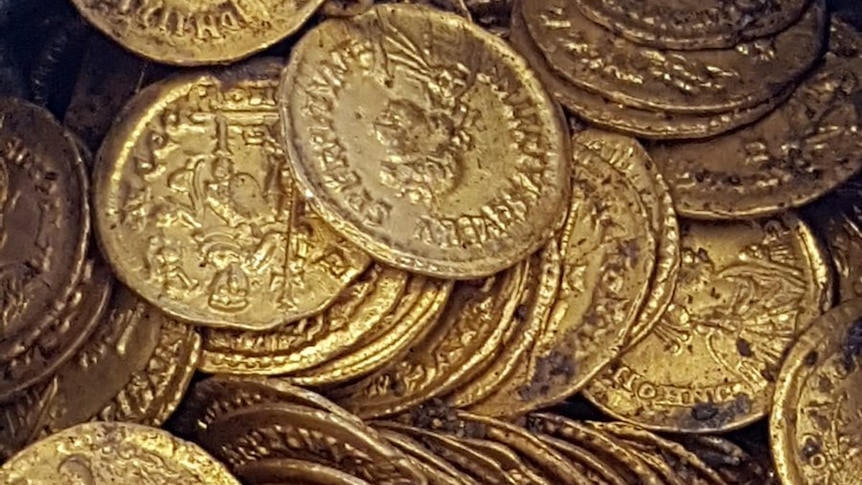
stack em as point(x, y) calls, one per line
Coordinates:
point(76, 470)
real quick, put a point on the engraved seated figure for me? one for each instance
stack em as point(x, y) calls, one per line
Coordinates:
point(424, 157)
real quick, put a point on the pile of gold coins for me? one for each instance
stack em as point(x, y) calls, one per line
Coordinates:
point(453, 242)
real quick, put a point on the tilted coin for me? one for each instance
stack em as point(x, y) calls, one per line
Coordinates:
point(702, 81)
point(437, 469)
point(213, 398)
point(513, 465)
point(817, 418)
point(731, 462)
point(96, 453)
point(132, 364)
point(22, 416)
point(746, 290)
point(531, 316)
point(425, 140)
point(415, 315)
point(281, 471)
point(693, 24)
point(627, 155)
point(609, 253)
point(636, 122)
point(267, 431)
point(797, 153)
point(676, 464)
point(603, 447)
point(313, 340)
point(64, 335)
point(44, 225)
point(200, 32)
point(477, 319)
point(196, 207)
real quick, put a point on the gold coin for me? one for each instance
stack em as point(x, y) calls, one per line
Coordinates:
point(414, 317)
point(700, 81)
point(595, 471)
point(66, 334)
point(425, 140)
point(838, 218)
point(476, 320)
point(114, 453)
point(197, 211)
point(627, 155)
point(714, 24)
point(512, 464)
point(197, 32)
point(22, 416)
point(44, 226)
point(676, 464)
point(632, 121)
point(800, 151)
point(746, 291)
point(531, 318)
point(267, 431)
point(609, 451)
point(816, 422)
point(294, 472)
point(731, 462)
point(213, 398)
point(438, 470)
point(609, 251)
point(312, 341)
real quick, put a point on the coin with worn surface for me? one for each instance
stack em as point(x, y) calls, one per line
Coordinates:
point(693, 24)
point(746, 290)
point(289, 431)
point(636, 122)
point(627, 155)
point(197, 32)
point(412, 319)
point(52, 346)
point(610, 452)
point(425, 140)
point(531, 317)
point(313, 340)
point(22, 416)
point(294, 472)
point(478, 317)
point(96, 453)
point(609, 253)
point(703, 81)
point(816, 425)
point(843, 237)
point(803, 149)
point(196, 207)
point(44, 225)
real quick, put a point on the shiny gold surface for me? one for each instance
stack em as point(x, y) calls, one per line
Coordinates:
point(746, 291)
point(196, 209)
point(99, 453)
point(815, 427)
point(196, 32)
point(425, 140)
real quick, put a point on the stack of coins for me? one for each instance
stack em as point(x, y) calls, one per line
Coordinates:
point(431, 242)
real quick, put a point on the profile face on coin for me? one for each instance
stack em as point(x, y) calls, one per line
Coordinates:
point(197, 208)
point(425, 140)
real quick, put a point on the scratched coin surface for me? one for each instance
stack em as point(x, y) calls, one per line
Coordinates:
point(97, 453)
point(314, 340)
point(608, 255)
point(476, 320)
point(425, 140)
point(797, 153)
point(44, 225)
point(197, 32)
point(703, 81)
point(197, 212)
point(746, 290)
point(606, 114)
point(816, 426)
point(693, 24)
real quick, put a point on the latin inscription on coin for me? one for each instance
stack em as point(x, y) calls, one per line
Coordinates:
point(425, 140)
point(197, 208)
point(191, 32)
